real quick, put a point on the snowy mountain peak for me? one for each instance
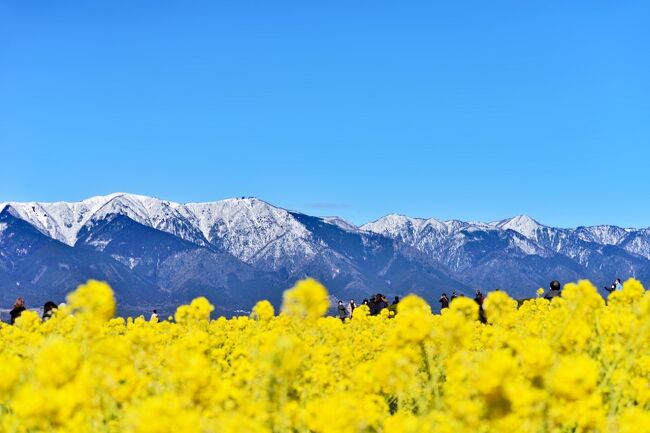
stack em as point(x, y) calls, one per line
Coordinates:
point(254, 231)
point(394, 224)
point(522, 224)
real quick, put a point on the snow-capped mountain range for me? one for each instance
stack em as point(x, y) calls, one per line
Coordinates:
point(235, 251)
point(531, 237)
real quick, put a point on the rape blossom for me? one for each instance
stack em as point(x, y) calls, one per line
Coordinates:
point(574, 364)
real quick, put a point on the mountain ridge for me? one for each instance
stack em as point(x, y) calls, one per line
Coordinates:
point(242, 249)
point(521, 223)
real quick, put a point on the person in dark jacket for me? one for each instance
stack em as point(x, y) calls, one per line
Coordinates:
point(396, 300)
point(378, 303)
point(556, 290)
point(48, 310)
point(373, 305)
point(453, 296)
point(479, 298)
point(382, 303)
point(444, 301)
point(19, 307)
point(343, 312)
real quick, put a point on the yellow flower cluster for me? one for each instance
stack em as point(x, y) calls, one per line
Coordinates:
point(576, 364)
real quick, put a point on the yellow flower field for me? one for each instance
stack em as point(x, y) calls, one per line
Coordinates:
point(571, 365)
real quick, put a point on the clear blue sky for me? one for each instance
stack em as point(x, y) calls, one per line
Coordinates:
point(469, 110)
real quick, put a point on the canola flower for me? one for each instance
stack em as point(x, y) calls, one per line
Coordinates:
point(576, 364)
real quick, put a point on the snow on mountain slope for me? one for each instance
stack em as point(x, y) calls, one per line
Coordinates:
point(432, 236)
point(522, 224)
point(423, 234)
point(271, 238)
point(445, 240)
point(637, 242)
point(255, 232)
point(59, 220)
point(397, 227)
point(162, 215)
point(250, 229)
point(603, 234)
point(341, 223)
point(63, 221)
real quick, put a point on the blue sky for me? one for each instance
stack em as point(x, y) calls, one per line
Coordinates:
point(468, 110)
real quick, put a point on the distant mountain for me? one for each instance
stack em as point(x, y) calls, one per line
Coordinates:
point(158, 253)
point(519, 254)
point(39, 268)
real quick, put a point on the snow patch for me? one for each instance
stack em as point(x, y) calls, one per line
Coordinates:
point(341, 223)
point(39, 275)
point(99, 244)
point(526, 246)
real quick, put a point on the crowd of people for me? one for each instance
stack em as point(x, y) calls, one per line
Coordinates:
point(375, 304)
point(19, 307)
point(446, 300)
point(379, 301)
point(478, 298)
point(48, 311)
